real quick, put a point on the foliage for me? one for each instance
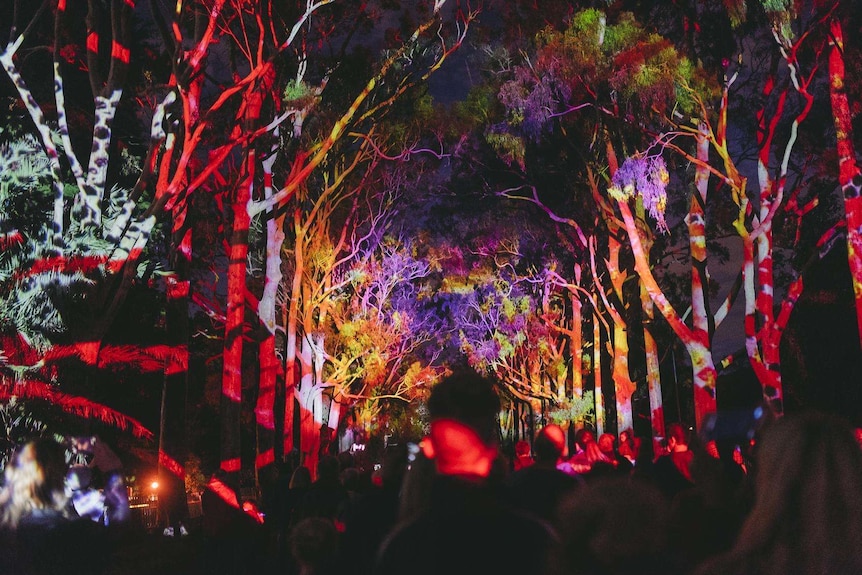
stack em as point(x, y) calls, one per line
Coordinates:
point(382, 325)
point(298, 94)
point(19, 425)
point(647, 178)
point(44, 293)
point(502, 334)
point(598, 62)
point(509, 147)
point(581, 409)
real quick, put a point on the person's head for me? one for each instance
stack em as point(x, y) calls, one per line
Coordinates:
point(35, 479)
point(550, 444)
point(584, 436)
point(606, 443)
point(594, 454)
point(677, 438)
point(807, 513)
point(300, 478)
point(328, 468)
point(313, 544)
point(625, 436)
point(595, 524)
point(463, 410)
point(351, 479)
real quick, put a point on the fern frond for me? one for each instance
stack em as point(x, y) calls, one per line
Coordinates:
point(31, 390)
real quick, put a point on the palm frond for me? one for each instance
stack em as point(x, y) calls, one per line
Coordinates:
point(30, 390)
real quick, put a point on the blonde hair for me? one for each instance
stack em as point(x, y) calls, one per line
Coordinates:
point(35, 479)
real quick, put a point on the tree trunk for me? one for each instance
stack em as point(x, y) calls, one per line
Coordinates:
point(696, 342)
point(653, 369)
point(270, 366)
point(849, 174)
point(597, 374)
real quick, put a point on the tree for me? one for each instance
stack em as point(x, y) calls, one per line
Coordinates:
point(849, 174)
point(58, 260)
point(584, 87)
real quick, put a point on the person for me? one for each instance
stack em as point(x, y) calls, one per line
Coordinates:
point(807, 512)
point(607, 445)
point(539, 488)
point(578, 463)
point(300, 481)
point(350, 437)
point(466, 528)
point(230, 536)
point(523, 457)
point(415, 494)
point(40, 532)
point(86, 500)
point(630, 445)
point(616, 526)
point(644, 468)
point(326, 494)
point(374, 514)
point(314, 545)
point(34, 487)
point(706, 517)
point(355, 483)
point(598, 464)
point(672, 470)
point(105, 475)
point(285, 502)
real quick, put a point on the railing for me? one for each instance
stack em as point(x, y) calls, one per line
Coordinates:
point(145, 510)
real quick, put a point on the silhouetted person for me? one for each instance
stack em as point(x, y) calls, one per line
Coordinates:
point(672, 470)
point(807, 514)
point(612, 526)
point(374, 514)
point(231, 537)
point(314, 547)
point(466, 529)
point(288, 498)
point(415, 496)
point(705, 518)
point(326, 494)
point(300, 481)
point(539, 488)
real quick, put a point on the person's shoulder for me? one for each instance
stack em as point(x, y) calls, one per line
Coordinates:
point(510, 520)
point(517, 476)
point(404, 542)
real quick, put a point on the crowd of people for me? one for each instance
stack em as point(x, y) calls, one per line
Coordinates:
point(54, 517)
point(784, 498)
